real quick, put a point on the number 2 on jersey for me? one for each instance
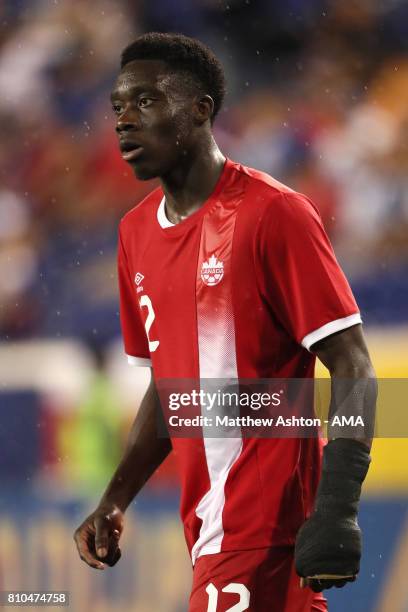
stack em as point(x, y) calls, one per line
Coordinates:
point(147, 303)
point(233, 587)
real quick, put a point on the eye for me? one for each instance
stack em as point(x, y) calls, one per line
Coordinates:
point(143, 102)
point(116, 108)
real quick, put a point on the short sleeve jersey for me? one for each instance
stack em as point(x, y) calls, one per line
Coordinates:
point(242, 288)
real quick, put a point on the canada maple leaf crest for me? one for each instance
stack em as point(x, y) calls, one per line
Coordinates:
point(212, 271)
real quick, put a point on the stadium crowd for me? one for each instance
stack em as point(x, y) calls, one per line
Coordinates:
point(317, 98)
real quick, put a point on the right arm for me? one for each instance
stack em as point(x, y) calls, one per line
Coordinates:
point(98, 536)
point(144, 453)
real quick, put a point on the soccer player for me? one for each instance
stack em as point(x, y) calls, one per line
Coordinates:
point(226, 273)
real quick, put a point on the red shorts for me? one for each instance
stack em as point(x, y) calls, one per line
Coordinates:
point(262, 580)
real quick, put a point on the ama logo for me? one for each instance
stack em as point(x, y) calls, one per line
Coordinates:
point(212, 271)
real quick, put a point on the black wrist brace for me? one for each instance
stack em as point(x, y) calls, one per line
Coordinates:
point(329, 542)
point(345, 466)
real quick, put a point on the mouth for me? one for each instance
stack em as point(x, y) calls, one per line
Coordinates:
point(130, 151)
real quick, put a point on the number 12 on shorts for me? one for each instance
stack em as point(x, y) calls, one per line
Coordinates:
point(233, 587)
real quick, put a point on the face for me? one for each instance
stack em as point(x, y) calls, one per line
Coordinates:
point(154, 118)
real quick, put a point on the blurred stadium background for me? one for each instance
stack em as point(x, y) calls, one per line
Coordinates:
point(318, 95)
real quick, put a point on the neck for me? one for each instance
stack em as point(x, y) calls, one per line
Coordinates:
point(188, 186)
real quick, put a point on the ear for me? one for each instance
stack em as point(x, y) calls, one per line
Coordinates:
point(203, 109)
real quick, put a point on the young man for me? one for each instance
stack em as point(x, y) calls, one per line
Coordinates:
point(226, 273)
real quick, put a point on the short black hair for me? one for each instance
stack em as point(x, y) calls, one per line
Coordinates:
point(182, 54)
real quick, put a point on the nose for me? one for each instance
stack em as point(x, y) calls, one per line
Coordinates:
point(127, 121)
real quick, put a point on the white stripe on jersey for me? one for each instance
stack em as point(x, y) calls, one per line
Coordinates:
point(217, 360)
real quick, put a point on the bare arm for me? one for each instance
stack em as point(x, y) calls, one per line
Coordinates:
point(97, 538)
point(353, 382)
point(328, 545)
point(144, 453)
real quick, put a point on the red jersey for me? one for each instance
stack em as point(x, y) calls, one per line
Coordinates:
point(240, 289)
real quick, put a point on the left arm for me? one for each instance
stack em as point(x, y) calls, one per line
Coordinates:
point(353, 382)
point(308, 292)
point(328, 545)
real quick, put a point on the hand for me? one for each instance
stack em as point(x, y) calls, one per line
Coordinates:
point(327, 552)
point(97, 539)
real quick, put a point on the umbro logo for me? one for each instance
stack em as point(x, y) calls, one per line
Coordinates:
point(138, 278)
point(212, 271)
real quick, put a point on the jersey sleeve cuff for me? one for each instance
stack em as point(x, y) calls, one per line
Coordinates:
point(330, 328)
point(139, 361)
